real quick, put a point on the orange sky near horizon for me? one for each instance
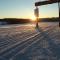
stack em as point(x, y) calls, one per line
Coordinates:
point(25, 9)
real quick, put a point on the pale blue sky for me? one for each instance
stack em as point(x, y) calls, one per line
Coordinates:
point(25, 9)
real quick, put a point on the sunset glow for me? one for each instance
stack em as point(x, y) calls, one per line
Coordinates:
point(22, 9)
point(33, 18)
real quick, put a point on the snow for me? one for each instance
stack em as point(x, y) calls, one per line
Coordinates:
point(25, 42)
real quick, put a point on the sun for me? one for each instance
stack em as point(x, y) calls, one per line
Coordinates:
point(33, 18)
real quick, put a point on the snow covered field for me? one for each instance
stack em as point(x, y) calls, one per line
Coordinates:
point(26, 42)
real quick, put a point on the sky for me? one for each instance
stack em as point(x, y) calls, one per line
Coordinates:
point(25, 9)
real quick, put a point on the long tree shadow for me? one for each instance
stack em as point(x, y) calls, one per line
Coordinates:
point(35, 49)
point(52, 46)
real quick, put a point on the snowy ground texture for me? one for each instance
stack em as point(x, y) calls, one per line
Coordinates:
point(26, 42)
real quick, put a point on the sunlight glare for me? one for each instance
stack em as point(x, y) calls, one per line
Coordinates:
point(33, 18)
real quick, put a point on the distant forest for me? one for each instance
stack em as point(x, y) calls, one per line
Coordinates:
point(54, 19)
point(13, 21)
point(20, 21)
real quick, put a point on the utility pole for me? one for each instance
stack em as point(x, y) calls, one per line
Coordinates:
point(49, 2)
point(59, 11)
point(37, 15)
